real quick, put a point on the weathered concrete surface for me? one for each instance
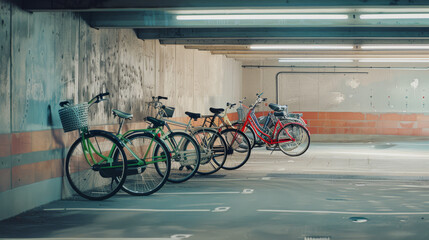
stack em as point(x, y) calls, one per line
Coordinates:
point(5, 67)
point(44, 49)
point(360, 90)
point(57, 56)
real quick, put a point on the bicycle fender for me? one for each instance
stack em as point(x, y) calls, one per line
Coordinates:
point(110, 134)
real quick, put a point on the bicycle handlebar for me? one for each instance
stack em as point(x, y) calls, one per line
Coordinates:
point(230, 105)
point(258, 100)
point(96, 99)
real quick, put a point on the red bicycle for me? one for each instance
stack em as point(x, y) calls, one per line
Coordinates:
point(293, 139)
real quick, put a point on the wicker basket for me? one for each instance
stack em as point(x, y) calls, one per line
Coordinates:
point(168, 112)
point(74, 117)
point(241, 114)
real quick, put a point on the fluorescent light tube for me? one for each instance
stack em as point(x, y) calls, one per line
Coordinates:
point(396, 16)
point(344, 60)
point(264, 17)
point(302, 47)
point(394, 47)
point(399, 60)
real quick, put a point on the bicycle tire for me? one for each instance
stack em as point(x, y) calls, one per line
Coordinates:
point(96, 181)
point(301, 143)
point(238, 148)
point(248, 132)
point(148, 179)
point(185, 159)
point(213, 150)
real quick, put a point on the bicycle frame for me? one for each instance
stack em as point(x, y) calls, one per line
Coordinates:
point(87, 146)
point(186, 126)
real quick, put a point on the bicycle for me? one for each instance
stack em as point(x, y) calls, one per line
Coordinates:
point(281, 112)
point(237, 142)
point(242, 111)
point(211, 145)
point(292, 139)
point(185, 152)
point(96, 165)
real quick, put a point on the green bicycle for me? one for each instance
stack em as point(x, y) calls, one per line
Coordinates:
point(96, 165)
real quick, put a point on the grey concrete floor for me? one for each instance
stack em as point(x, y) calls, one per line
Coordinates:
point(366, 190)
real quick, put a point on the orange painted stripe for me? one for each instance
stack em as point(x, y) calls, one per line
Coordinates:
point(26, 142)
point(5, 142)
point(371, 116)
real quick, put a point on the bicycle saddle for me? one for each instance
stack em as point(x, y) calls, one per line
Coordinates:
point(216, 110)
point(156, 122)
point(195, 116)
point(121, 114)
point(276, 107)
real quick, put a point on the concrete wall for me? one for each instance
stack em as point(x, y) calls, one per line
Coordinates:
point(48, 57)
point(392, 100)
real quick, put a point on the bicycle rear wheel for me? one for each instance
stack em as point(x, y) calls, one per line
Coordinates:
point(91, 175)
point(185, 156)
point(296, 139)
point(143, 180)
point(238, 148)
point(213, 150)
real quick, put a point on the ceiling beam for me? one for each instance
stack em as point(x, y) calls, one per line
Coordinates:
point(102, 5)
point(163, 19)
point(277, 33)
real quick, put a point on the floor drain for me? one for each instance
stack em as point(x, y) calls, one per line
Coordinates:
point(359, 219)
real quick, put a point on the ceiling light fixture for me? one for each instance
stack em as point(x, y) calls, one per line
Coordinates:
point(396, 16)
point(394, 47)
point(301, 47)
point(392, 60)
point(307, 60)
point(264, 17)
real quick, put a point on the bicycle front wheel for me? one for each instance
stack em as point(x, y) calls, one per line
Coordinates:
point(293, 139)
point(213, 150)
point(149, 173)
point(90, 168)
point(238, 148)
point(185, 157)
point(248, 132)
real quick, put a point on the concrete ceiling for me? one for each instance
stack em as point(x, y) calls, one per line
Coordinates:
point(158, 20)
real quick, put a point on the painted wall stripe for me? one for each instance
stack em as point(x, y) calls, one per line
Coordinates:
point(35, 157)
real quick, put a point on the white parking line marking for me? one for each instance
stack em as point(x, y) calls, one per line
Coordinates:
point(413, 186)
point(395, 154)
point(173, 237)
point(362, 171)
point(127, 210)
point(221, 209)
point(229, 179)
point(247, 191)
point(196, 193)
point(339, 212)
